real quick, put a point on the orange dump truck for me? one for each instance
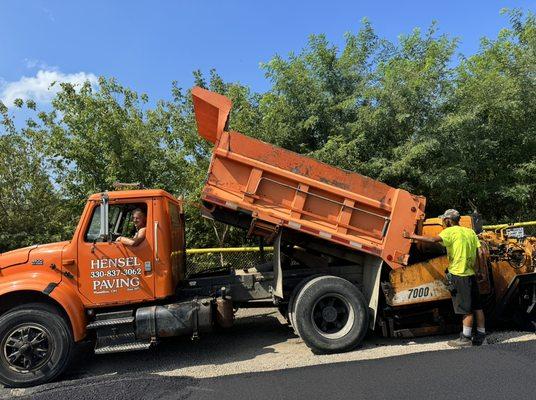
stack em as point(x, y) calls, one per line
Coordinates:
point(340, 264)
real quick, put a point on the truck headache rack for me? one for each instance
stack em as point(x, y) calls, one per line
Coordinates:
point(286, 189)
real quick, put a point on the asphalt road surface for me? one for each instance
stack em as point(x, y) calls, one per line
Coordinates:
point(261, 359)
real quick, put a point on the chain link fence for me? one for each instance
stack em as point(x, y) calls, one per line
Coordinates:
point(219, 259)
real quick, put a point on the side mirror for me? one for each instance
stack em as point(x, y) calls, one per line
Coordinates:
point(104, 233)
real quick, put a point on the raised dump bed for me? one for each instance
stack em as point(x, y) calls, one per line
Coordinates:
point(282, 188)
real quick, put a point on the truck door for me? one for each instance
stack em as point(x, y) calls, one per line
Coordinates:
point(111, 272)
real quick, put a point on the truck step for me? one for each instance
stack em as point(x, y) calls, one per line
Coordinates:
point(110, 322)
point(121, 348)
point(120, 343)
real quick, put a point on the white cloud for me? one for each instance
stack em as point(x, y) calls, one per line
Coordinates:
point(32, 63)
point(39, 87)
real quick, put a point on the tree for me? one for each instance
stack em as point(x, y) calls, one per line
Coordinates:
point(30, 208)
point(96, 136)
point(492, 124)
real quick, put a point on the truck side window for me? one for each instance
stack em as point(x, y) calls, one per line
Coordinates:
point(119, 221)
point(92, 233)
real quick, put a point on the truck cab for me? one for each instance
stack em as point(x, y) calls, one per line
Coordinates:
point(65, 284)
point(107, 272)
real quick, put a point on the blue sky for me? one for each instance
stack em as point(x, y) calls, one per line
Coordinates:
point(148, 44)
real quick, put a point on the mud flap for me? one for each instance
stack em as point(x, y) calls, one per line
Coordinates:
point(371, 286)
point(278, 272)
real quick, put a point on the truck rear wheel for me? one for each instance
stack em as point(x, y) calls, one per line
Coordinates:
point(331, 315)
point(292, 302)
point(35, 345)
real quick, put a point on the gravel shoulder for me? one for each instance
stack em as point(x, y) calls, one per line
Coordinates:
point(257, 343)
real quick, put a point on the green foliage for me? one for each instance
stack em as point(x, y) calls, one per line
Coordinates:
point(30, 209)
point(493, 125)
point(405, 113)
point(96, 136)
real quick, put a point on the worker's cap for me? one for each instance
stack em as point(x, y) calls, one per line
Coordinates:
point(451, 214)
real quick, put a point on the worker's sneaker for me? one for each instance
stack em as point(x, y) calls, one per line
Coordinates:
point(479, 339)
point(462, 341)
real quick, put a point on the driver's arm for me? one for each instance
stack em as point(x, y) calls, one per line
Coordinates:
point(138, 239)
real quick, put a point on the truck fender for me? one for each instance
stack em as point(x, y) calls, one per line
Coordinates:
point(69, 300)
point(62, 294)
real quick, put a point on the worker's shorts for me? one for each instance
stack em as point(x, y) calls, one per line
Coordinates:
point(466, 297)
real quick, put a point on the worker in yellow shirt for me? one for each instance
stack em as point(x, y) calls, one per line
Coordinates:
point(462, 246)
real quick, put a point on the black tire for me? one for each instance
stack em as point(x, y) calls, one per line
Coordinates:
point(36, 345)
point(292, 302)
point(331, 315)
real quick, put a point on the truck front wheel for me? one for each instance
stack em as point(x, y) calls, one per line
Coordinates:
point(35, 345)
point(331, 315)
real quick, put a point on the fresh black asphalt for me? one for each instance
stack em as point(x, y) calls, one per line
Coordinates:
point(499, 371)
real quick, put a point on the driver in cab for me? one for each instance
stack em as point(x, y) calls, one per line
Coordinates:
point(140, 221)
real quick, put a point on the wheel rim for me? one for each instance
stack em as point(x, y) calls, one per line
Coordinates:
point(27, 347)
point(332, 316)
